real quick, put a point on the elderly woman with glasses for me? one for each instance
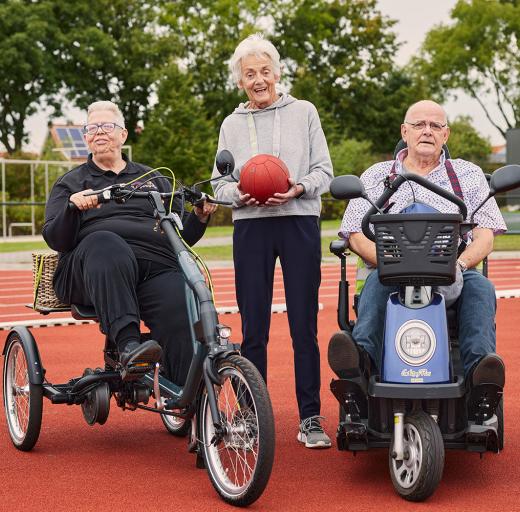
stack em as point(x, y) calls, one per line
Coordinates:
point(113, 257)
point(285, 227)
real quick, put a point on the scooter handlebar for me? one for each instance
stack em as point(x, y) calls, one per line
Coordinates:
point(392, 188)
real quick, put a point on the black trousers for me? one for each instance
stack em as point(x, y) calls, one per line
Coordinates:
point(257, 243)
point(102, 271)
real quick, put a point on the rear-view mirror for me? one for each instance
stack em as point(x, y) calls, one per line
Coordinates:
point(347, 187)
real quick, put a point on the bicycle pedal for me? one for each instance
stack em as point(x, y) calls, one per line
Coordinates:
point(135, 371)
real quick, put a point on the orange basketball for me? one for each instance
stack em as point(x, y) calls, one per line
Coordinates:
point(264, 175)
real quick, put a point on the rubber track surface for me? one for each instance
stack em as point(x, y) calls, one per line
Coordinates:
point(132, 464)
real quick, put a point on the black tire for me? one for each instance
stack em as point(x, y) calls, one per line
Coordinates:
point(239, 466)
point(500, 417)
point(176, 426)
point(416, 478)
point(23, 401)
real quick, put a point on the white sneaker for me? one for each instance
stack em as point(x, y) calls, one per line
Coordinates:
point(312, 434)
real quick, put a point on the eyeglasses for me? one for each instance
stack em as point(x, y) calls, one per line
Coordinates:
point(93, 128)
point(421, 125)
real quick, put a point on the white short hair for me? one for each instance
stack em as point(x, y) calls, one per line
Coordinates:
point(255, 44)
point(111, 107)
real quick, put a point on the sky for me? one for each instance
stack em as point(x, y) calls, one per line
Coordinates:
point(414, 19)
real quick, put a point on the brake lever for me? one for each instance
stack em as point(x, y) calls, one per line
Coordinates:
point(211, 200)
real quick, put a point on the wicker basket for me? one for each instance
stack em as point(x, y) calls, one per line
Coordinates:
point(44, 266)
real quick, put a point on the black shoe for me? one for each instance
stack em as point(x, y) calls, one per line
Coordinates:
point(489, 370)
point(138, 358)
point(344, 355)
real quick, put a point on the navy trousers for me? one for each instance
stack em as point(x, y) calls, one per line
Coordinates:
point(295, 240)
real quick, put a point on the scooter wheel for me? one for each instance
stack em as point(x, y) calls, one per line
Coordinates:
point(96, 406)
point(416, 477)
point(23, 401)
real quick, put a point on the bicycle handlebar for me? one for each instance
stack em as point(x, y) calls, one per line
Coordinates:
point(115, 193)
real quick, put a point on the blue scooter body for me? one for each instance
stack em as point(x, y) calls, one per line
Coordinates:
point(416, 347)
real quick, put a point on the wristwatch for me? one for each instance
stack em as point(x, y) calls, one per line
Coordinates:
point(462, 265)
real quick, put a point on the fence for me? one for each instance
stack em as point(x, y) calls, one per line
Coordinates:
point(43, 173)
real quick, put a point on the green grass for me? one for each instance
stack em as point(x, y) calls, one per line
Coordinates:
point(22, 246)
point(507, 243)
point(225, 252)
point(217, 252)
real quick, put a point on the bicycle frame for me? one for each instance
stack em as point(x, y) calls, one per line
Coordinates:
point(208, 346)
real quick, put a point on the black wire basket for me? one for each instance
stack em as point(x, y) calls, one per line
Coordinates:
point(417, 249)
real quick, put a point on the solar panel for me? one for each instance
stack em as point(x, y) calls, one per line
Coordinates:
point(77, 136)
point(71, 139)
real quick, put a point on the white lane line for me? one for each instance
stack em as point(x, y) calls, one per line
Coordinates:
point(54, 322)
point(508, 294)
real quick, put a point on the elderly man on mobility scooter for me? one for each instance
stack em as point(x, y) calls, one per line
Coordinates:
point(425, 130)
point(411, 378)
point(113, 256)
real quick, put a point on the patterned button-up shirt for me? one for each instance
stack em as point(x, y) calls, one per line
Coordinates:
point(472, 181)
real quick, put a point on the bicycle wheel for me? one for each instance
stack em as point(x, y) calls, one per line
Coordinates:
point(239, 464)
point(176, 426)
point(23, 401)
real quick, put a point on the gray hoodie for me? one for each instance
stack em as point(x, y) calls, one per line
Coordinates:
point(289, 129)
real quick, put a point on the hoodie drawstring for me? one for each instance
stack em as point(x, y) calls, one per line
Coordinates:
point(253, 139)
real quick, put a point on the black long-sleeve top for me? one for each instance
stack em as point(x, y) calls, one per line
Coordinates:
point(133, 220)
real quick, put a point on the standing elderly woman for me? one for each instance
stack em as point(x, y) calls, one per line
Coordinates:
point(286, 227)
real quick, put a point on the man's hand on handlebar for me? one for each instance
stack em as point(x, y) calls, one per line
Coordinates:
point(83, 201)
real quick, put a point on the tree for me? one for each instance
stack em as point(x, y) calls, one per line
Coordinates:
point(113, 50)
point(208, 32)
point(337, 54)
point(478, 53)
point(340, 57)
point(465, 142)
point(177, 134)
point(29, 74)
point(351, 156)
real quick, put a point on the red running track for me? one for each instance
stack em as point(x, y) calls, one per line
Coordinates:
point(132, 464)
point(16, 288)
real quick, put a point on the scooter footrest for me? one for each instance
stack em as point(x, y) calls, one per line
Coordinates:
point(352, 436)
point(483, 401)
point(481, 438)
point(351, 396)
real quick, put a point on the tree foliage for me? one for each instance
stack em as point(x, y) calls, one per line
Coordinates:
point(29, 76)
point(177, 134)
point(112, 50)
point(340, 56)
point(478, 53)
point(466, 143)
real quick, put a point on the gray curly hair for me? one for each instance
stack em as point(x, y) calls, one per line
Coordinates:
point(255, 44)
